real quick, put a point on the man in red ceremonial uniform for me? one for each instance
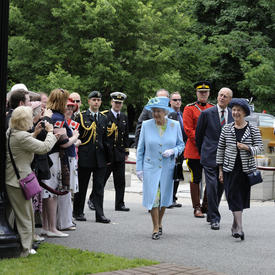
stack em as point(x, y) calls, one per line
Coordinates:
point(190, 117)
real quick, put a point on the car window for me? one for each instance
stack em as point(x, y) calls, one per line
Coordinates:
point(266, 121)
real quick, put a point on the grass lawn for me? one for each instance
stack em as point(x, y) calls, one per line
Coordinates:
point(56, 259)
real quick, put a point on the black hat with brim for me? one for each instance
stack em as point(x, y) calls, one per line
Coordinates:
point(202, 86)
point(240, 102)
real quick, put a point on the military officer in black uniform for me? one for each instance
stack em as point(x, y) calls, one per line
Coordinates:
point(93, 156)
point(117, 132)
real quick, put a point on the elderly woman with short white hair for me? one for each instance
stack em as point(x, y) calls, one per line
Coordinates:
point(23, 147)
point(159, 144)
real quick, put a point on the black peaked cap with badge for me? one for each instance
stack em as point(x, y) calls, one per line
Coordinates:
point(203, 86)
point(95, 94)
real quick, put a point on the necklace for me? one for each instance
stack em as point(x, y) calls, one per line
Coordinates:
point(241, 125)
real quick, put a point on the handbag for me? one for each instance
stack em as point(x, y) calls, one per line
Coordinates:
point(254, 177)
point(29, 185)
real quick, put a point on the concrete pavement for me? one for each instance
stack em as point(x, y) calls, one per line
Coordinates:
point(186, 241)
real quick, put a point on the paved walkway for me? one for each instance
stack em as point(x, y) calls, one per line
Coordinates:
point(165, 269)
point(188, 245)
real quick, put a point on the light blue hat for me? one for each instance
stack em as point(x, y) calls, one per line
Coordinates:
point(160, 102)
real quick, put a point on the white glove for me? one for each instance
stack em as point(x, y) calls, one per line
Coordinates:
point(140, 175)
point(168, 153)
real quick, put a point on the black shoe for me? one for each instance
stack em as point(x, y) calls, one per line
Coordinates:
point(208, 219)
point(177, 204)
point(122, 208)
point(81, 218)
point(215, 226)
point(239, 235)
point(91, 205)
point(35, 245)
point(103, 219)
point(160, 231)
point(155, 236)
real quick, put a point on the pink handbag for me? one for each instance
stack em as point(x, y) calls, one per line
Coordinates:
point(30, 185)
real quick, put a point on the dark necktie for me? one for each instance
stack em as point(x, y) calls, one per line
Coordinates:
point(222, 118)
point(95, 117)
point(117, 117)
point(180, 120)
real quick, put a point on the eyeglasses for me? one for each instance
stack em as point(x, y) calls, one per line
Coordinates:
point(76, 101)
point(176, 99)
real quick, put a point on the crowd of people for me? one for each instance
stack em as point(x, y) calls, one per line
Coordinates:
point(67, 147)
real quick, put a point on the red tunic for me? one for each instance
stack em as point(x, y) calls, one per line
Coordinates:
point(190, 117)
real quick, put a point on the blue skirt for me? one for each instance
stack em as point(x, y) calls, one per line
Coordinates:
point(237, 189)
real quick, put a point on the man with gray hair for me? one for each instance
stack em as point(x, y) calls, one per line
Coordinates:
point(207, 135)
point(146, 114)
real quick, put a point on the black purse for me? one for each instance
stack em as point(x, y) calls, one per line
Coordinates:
point(254, 177)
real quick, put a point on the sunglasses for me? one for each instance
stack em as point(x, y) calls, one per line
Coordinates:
point(76, 101)
point(176, 99)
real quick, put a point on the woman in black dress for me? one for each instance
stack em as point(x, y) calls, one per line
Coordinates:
point(239, 143)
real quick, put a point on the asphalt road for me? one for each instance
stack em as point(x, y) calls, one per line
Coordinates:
point(186, 240)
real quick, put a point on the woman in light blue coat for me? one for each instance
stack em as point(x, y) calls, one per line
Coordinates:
point(159, 144)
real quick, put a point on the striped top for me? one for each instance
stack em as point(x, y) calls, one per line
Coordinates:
point(227, 148)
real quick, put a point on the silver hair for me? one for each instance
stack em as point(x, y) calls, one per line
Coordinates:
point(36, 111)
point(162, 90)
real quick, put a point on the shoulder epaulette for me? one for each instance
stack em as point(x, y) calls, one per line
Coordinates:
point(191, 104)
point(104, 112)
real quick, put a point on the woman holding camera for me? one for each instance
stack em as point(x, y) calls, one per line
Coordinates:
point(23, 147)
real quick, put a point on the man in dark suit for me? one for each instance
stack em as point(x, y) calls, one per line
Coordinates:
point(175, 103)
point(208, 132)
point(117, 133)
point(93, 156)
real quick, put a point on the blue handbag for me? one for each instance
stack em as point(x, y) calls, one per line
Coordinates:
point(254, 177)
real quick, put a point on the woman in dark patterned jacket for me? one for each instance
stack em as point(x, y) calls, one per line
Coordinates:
point(239, 143)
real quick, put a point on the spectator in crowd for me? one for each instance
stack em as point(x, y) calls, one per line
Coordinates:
point(23, 147)
point(17, 97)
point(190, 117)
point(119, 146)
point(93, 157)
point(146, 114)
point(239, 143)
point(208, 132)
point(159, 144)
point(75, 97)
point(44, 100)
point(39, 164)
point(60, 176)
point(175, 103)
point(64, 202)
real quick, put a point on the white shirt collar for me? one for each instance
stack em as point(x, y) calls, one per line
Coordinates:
point(220, 109)
point(115, 113)
point(92, 113)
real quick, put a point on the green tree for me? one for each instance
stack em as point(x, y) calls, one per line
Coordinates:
point(243, 31)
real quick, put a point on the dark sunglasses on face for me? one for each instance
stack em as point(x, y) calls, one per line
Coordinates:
point(176, 99)
point(76, 101)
